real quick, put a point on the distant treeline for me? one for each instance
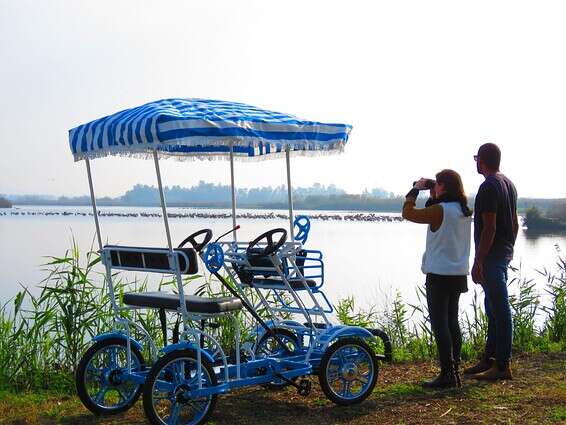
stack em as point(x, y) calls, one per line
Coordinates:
point(315, 197)
point(4, 203)
point(203, 195)
point(553, 219)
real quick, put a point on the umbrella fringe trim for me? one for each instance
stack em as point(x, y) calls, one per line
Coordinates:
point(309, 149)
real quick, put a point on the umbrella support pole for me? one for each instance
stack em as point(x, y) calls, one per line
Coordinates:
point(233, 187)
point(290, 193)
point(173, 259)
point(93, 203)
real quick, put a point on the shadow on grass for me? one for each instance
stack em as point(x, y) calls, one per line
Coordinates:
point(260, 406)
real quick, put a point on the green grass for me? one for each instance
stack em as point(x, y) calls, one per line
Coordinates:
point(557, 413)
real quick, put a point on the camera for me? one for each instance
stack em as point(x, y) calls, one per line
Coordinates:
point(429, 184)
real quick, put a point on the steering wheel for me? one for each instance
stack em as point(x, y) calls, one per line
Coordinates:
point(192, 239)
point(271, 246)
point(214, 257)
point(303, 223)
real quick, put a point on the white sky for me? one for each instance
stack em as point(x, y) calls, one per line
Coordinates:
point(424, 83)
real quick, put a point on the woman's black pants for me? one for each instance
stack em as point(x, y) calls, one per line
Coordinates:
point(443, 311)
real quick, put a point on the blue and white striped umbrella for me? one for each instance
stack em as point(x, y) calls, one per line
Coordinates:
point(204, 129)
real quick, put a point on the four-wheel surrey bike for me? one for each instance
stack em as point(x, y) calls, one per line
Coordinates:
point(295, 337)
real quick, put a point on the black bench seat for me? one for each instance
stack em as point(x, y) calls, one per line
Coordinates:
point(194, 303)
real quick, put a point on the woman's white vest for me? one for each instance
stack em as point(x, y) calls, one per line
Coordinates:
point(448, 249)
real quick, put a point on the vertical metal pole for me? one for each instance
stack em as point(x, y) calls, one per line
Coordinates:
point(93, 203)
point(173, 258)
point(290, 192)
point(163, 207)
point(233, 192)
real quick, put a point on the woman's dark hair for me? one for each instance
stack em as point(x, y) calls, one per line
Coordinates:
point(454, 189)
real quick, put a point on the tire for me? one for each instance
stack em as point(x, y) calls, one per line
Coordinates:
point(264, 348)
point(164, 372)
point(97, 379)
point(355, 384)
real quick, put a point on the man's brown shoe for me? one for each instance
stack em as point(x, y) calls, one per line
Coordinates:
point(483, 365)
point(496, 373)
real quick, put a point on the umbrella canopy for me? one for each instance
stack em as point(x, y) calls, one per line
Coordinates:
point(204, 129)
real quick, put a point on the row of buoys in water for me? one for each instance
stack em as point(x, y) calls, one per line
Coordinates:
point(212, 215)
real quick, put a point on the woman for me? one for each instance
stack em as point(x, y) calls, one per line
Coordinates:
point(445, 263)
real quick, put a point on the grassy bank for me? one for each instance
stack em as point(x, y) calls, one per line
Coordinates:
point(43, 337)
point(537, 395)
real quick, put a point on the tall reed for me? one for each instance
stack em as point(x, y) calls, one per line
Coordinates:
point(43, 336)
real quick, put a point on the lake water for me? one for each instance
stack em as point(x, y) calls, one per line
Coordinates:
point(369, 260)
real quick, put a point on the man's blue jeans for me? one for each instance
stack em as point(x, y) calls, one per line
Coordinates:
point(498, 310)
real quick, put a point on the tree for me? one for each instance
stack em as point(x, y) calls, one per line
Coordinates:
point(4, 203)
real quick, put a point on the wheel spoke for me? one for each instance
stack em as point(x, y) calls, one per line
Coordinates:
point(99, 397)
point(342, 357)
point(112, 357)
point(162, 397)
point(348, 388)
point(199, 405)
point(174, 415)
point(343, 387)
point(333, 376)
point(123, 396)
point(97, 372)
point(361, 357)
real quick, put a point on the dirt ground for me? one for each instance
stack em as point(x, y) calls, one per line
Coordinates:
point(536, 395)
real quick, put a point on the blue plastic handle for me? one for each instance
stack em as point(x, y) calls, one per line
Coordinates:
point(303, 223)
point(214, 257)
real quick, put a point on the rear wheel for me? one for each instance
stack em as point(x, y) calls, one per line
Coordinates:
point(101, 377)
point(348, 371)
point(268, 346)
point(166, 395)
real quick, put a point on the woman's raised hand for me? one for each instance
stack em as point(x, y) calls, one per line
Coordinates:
point(421, 184)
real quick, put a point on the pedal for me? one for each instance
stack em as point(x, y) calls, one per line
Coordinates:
point(304, 387)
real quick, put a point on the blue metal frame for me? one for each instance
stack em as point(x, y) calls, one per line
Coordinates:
point(116, 334)
point(187, 346)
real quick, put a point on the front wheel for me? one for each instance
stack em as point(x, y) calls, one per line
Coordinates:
point(166, 394)
point(101, 377)
point(348, 371)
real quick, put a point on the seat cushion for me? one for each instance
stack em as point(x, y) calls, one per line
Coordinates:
point(194, 303)
point(295, 284)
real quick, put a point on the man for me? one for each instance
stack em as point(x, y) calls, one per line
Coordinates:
point(495, 231)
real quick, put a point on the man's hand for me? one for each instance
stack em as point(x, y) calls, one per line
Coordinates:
point(477, 272)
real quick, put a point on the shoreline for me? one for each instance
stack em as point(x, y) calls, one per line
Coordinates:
point(366, 217)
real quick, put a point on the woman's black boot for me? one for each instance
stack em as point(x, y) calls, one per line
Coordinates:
point(446, 378)
point(457, 374)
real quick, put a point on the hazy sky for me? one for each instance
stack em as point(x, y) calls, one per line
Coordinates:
point(424, 83)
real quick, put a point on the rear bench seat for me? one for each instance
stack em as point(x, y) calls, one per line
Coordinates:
point(194, 303)
point(157, 260)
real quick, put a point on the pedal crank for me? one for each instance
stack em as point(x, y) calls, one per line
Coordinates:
point(304, 387)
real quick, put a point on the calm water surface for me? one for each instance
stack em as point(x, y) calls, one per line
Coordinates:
point(369, 260)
